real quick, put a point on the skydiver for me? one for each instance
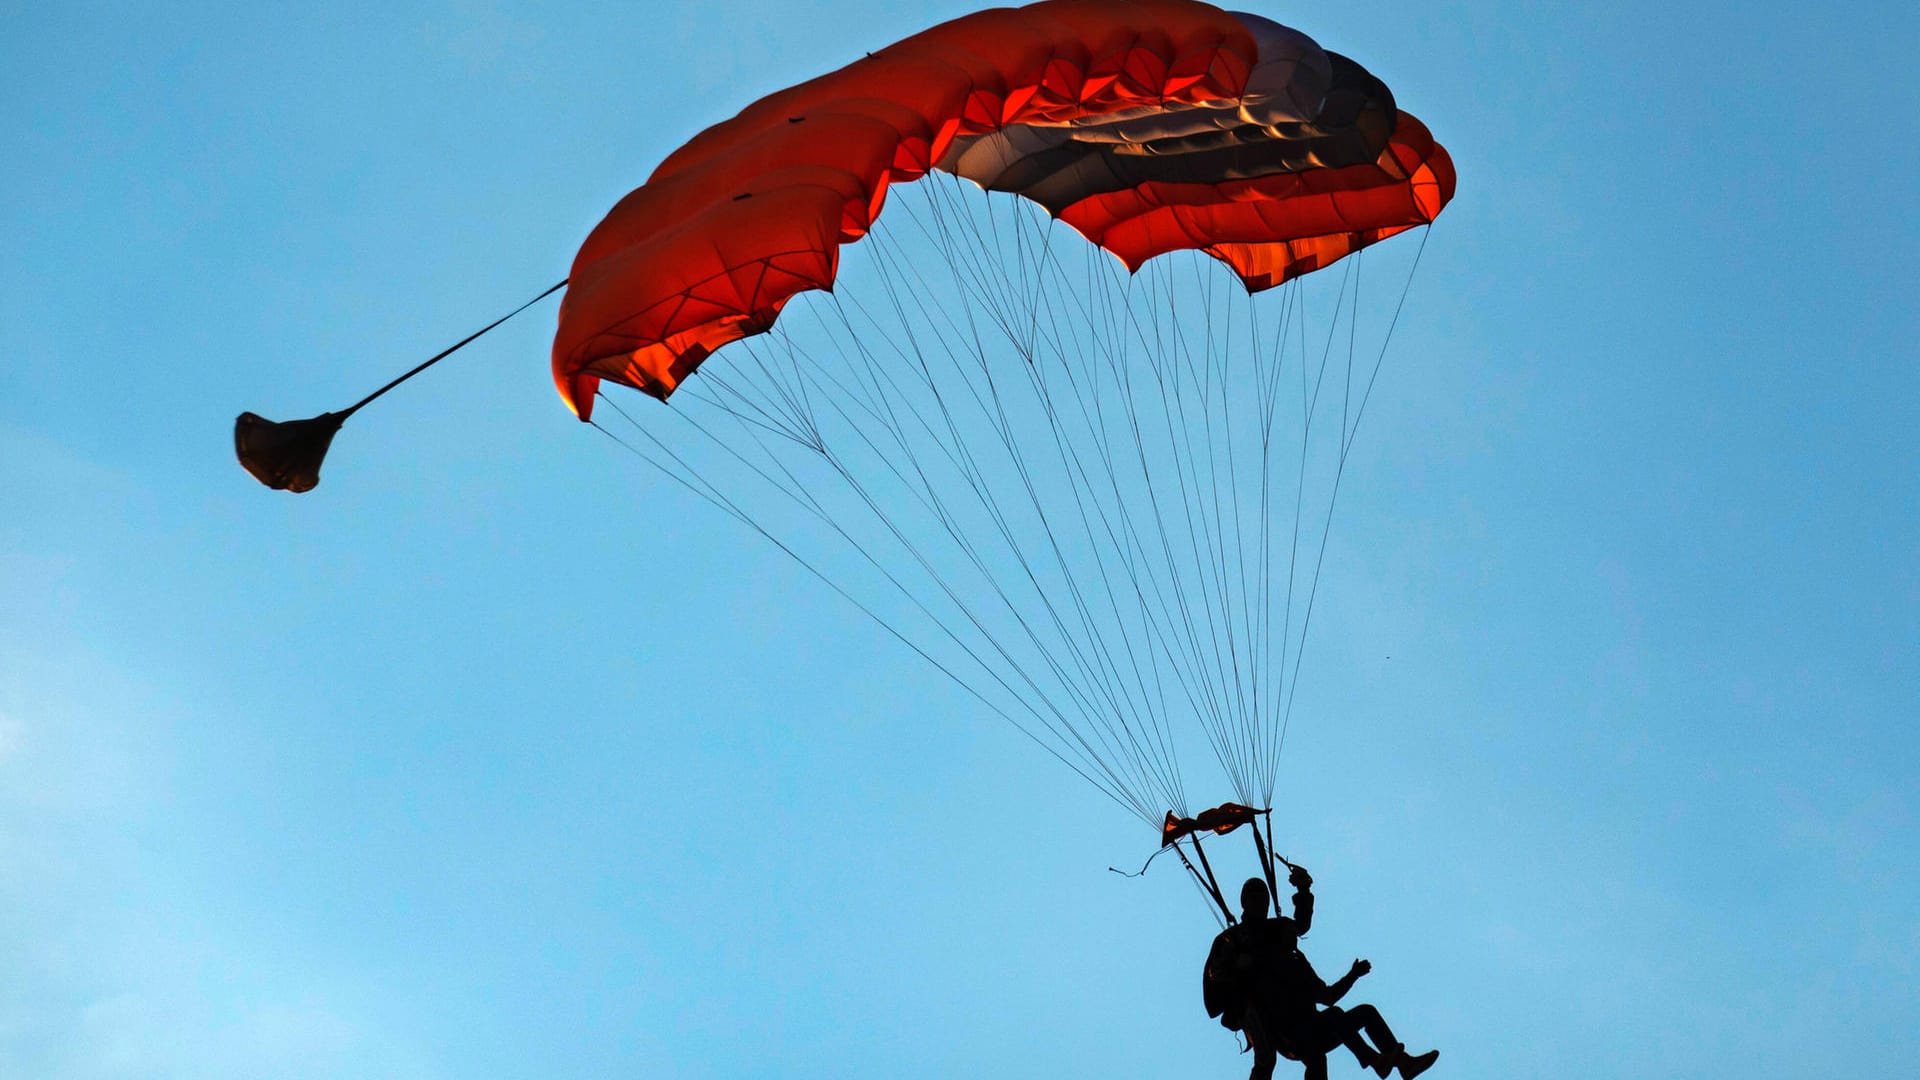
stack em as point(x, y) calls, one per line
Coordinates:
point(1246, 957)
point(1257, 975)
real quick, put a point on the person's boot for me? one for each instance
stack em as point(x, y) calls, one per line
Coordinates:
point(1412, 1066)
point(1384, 1059)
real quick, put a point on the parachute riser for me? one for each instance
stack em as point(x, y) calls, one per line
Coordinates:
point(1264, 847)
point(1178, 829)
point(1207, 883)
point(1203, 874)
point(1213, 883)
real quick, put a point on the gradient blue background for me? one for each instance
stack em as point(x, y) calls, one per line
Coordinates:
point(497, 756)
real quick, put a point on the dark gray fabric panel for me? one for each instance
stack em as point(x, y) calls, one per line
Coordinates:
point(1054, 167)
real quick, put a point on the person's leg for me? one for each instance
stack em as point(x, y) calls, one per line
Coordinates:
point(1368, 1019)
point(1264, 1057)
point(1335, 1026)
point(1387, 1051)
point(1316, 1066)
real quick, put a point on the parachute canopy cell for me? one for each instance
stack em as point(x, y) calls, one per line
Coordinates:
point(1149, 126)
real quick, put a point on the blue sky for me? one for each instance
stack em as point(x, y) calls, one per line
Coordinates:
point(497, 756)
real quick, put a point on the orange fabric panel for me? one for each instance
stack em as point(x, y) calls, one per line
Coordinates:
point(682, 266)
point(1304, 220)
point(860, 147)
point(1265, 265)
point(1409, 147)
point(753, 210)
point(1220, 821)
point(716, 279)
point(917, 96)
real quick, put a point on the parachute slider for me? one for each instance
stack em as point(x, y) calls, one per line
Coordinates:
point(1220, 821)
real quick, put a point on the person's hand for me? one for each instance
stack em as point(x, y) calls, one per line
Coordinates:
point(1360, 967)
point(1298, 877)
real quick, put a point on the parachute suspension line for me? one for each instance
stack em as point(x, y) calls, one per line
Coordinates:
point(1086, 394)
point(1299, 335)
point(961, 539)
point(1168, 343)
point(1226, 565)
point(1075, 474)
point(1108, 459)
point(1400, 305)
point(1208, 707)
point(996, 417)
point(1180, 663)
point(1213, 572)
point(920, 363)
point(1078, 477)
point(798, 494)
point(1239, 631)
point(1247, 574)
point(1266, 381)
point(1207, 496)
point(1268, 374)
point(1085, 388)
point(1310, 387)
point(690, 479)
point(1197, 680)
point(1210, 714)
point(1339, 472)
point(857, 339)
point(1003, 431)
point(1132, 549)
point(1087, 399)
point(1158, 624)
point(1213, 524)
point(1353, 331)
point(1101, 647)
point(1350, 277)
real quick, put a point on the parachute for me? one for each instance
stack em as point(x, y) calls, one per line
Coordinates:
point(1092, 488)
point(1020, 334)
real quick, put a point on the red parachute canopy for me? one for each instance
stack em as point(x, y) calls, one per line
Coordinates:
point(1150, 126)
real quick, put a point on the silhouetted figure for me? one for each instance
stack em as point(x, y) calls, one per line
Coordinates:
point(1258, 981)
point(1253, 946)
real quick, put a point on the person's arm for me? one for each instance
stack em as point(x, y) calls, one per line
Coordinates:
point(1302, 883)
point(1338, 990)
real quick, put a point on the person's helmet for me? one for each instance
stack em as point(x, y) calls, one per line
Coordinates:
point(1254, 894)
